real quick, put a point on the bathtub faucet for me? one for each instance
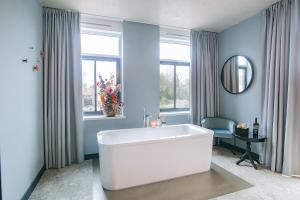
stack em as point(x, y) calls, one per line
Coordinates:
point(146, 119)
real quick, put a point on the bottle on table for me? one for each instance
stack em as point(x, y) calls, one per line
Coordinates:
point(255, 127)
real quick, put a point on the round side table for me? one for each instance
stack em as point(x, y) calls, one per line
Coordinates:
point(249, 139)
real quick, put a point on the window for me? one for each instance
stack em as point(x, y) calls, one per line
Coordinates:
point(243, 69)
point(100, 56)
point(242, 73)
point(174, 76)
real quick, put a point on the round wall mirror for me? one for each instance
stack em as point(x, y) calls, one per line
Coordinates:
point(237, 74)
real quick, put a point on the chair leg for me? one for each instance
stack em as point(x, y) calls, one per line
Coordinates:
point(234, 146)
point(215, 141)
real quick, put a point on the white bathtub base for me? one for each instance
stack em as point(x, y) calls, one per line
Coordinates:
point(128, 165)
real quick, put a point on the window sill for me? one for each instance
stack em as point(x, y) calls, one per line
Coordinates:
point(175, 113)
point(102, 117)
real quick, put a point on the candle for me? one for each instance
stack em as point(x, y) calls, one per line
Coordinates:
point(153, 123)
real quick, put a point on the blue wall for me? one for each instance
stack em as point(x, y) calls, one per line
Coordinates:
point(245, 38)
point(140, 83)
point(21, 119)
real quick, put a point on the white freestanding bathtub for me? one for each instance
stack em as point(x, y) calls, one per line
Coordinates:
point(132, 157)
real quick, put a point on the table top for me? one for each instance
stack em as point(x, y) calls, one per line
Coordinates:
point(251, 137)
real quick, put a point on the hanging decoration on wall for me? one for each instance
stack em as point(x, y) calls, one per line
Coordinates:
point(42, 54)
point(24, 60)
point(36, 67)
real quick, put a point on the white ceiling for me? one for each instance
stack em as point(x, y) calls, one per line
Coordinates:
point(210, 15)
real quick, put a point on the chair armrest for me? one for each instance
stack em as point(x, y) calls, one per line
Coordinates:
point(231, 126)
point(204, 123)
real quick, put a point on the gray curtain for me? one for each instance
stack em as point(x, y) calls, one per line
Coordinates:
point(231, 77)
point(281, 111)
point(62, 88)
point(204, 75)
point(291, 164)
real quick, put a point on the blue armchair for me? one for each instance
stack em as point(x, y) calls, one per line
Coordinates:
point(223, 128)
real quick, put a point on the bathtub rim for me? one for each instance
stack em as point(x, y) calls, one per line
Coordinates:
point(208, 133)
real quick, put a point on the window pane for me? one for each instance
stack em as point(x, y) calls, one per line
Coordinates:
point(170, 51)
point(105, 69)
point(88, 86)
point(166, 86)
point(242, 79)
point(182, 86)
point(99, 44)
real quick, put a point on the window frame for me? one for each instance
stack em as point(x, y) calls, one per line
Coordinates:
point(174, 63)
point(101, 57)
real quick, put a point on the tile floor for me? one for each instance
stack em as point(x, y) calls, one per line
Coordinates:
point(77, 182)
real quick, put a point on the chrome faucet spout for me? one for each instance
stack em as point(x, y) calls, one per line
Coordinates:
point(146, 119)
point(145, 115)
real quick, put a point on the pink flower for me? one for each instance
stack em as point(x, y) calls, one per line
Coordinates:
point(108, 90)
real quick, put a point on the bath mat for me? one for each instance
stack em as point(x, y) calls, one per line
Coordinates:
point(214, 183)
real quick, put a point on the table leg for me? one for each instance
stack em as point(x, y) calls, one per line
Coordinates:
point(242, 158)
point(247, 154)
point(250, 158)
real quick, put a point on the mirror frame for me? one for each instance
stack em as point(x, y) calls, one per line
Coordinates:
point(252, 77)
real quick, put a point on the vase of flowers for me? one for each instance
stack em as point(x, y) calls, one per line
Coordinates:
point(110, 96)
